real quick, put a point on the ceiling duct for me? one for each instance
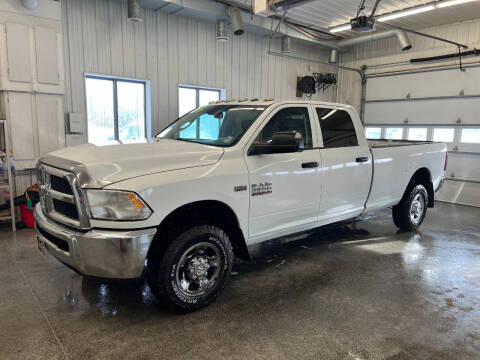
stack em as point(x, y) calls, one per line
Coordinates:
point(30, 4)
point(134, 12)
point(269, 7)
point(402, 37)
point(286, 45)
point(333, 56)
point(236, 19)
point(221, 33)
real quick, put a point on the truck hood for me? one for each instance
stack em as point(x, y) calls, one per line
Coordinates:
point(99, 166)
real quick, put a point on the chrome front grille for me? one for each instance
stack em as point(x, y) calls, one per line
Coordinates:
point(60, 184)
point(62, 198)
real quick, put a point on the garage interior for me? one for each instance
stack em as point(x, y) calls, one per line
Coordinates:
point(115, 71)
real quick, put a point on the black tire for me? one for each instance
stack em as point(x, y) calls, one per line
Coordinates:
point(167, 277)
point(403, 213)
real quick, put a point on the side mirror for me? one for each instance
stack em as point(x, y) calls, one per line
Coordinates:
point(282, 142)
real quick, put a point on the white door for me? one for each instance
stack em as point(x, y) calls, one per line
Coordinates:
point(346, 165)
point(284, 188)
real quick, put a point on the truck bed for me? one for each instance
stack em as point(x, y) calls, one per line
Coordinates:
point(381, 143)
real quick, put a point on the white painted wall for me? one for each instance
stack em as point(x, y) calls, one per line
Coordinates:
point(169, 50)
point(32, 78)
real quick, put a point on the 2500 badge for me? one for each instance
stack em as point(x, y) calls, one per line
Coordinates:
point(262, 188)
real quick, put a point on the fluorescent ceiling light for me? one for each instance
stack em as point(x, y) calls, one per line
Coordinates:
point(341, 28)
point(407, 12)
point(452, 3)
point(329, 114)
point(400, 14)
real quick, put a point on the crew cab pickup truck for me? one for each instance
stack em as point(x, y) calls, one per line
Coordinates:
point(217, 180)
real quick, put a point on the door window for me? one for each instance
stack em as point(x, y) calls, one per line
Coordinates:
point(394, 133)
point(471, 136)
point(417, 134)
point(288, 119)
point(443, 134)
point(337, 128)
point(373, 132)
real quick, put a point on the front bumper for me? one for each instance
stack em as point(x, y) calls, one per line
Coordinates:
point(101, 253)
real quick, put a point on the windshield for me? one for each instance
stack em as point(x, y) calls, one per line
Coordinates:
point(218, 125)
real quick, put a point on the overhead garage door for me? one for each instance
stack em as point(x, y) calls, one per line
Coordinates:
point(440, 105)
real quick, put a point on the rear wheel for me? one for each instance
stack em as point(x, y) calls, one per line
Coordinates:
point(193, 270)
point(410, 212)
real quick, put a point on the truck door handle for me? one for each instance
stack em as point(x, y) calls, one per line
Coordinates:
point(308, 165)
point(362, 159)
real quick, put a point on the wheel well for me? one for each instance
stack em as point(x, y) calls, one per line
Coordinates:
point(422, 176)
point(208, 212)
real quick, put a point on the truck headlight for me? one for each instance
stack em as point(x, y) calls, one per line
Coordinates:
point(117, 205)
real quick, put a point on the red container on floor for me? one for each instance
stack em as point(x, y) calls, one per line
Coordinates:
point(27, 216)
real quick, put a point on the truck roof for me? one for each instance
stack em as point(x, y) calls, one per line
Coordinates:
point(269, 101)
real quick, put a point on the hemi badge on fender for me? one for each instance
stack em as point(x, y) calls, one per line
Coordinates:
point(240, 188)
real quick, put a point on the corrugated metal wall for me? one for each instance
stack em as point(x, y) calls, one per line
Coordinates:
point(169, 50)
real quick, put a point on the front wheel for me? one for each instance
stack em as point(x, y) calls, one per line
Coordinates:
point(194, 268)
point(410, 212)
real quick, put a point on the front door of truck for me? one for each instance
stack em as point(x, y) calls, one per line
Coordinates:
point(346, 164)
point(284, 188)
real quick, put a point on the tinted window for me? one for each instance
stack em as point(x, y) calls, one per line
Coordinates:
point(337, 128)
point(289, 119)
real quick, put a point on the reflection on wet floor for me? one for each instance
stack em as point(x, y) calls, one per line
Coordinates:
point(354, 290)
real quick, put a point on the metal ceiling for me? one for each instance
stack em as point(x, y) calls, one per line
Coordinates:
point(323, 14)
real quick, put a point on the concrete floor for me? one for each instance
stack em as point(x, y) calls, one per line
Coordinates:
point(357, 291)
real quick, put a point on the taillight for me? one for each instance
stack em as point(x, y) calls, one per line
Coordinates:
point(446, 161)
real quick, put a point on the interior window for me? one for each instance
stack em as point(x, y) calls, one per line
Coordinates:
point(288, 119)
point(191, 97)
point(337, 128)
point(115, 110)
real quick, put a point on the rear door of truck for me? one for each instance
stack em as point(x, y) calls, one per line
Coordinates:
point(346, 163)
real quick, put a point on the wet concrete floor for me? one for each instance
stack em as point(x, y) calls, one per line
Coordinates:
point(361, 290)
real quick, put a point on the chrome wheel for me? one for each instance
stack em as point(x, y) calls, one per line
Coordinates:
point(417, 209)
point(198, 269)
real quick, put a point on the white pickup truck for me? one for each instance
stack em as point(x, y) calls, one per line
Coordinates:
point(221, 178)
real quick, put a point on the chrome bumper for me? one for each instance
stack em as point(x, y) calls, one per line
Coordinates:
point(101, 253)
